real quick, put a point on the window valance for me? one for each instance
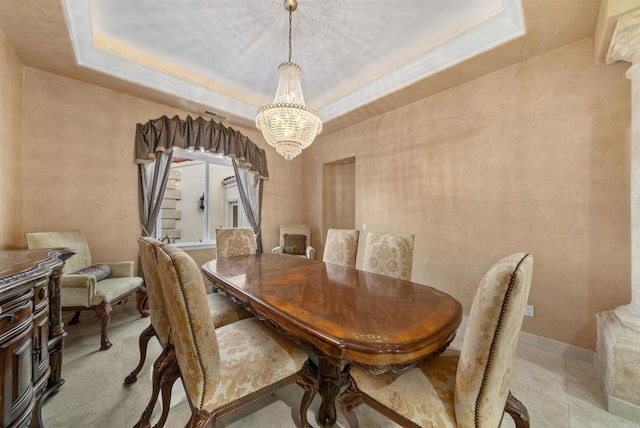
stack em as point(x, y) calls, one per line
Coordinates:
point(165, 134)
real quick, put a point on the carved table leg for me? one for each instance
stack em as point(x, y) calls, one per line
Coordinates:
point(143, 343)
point(331, 378)
point(308, 380)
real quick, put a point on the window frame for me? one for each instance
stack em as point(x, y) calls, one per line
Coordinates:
point(207, 159)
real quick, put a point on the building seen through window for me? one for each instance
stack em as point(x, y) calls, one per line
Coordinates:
point(201, 196)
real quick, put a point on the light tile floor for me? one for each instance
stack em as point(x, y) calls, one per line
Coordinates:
point(558, 390)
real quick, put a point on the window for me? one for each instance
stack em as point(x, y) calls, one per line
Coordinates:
point(201, 196)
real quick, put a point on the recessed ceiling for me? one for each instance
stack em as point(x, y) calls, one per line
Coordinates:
point(225, 54)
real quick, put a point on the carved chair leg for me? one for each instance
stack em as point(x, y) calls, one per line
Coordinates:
point(198, 419)
point(166, 385)
point(143, 343)
point(160, 367)
point(349, 400)
point(143, 302)
point(75, 319)
point(308, 380)
point(517, 411)
point(103, 311)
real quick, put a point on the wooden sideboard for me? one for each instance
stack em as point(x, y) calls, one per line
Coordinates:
point(31, 332)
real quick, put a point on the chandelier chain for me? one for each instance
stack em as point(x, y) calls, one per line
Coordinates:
point(290, 20)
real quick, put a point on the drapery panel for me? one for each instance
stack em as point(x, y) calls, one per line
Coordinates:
point(155, 141)
point(250, 190)
point(163, 134)
point(152, 183)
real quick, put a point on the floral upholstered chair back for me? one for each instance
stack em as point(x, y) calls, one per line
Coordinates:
point(235, 241)
point(158, 313)
point(489, 347)
point(340, 247)
point(192, 331)
point(390, 255)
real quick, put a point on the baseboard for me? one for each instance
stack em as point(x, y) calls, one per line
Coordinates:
point(622, 408)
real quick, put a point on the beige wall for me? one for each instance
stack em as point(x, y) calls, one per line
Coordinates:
point(80, 173)
point(534, 157)
point(10, 147)
point(338, 195)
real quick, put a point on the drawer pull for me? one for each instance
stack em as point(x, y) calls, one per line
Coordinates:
point(11, 316)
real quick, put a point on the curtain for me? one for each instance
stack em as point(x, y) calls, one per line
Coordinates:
point(250, 190)
point(153, 181)
point(163, 134)
point(155, 141)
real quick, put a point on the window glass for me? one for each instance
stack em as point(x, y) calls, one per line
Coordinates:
point(201, 195)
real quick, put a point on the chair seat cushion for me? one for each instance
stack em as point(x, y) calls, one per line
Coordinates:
point(252, 356)
point(224, 311)
point(423, 395)
point(112, 289)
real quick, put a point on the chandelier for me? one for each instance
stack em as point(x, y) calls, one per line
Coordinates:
point(288, 124)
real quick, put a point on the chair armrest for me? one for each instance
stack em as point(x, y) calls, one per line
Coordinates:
point(311, 253)
point(78, 281)
point(278, 250)
point(74, 285)
point(122, 269)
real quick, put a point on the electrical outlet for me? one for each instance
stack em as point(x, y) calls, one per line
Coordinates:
point(529, 311)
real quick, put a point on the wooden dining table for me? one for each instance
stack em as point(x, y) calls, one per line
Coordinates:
point(341, 316)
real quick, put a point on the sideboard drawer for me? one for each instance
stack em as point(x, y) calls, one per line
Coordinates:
point(16, 313)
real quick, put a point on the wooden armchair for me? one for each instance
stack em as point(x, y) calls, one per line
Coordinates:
point(87, 286)
point(469, 388)
point(295, 239)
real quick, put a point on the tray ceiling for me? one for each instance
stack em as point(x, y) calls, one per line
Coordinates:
point(225, 54)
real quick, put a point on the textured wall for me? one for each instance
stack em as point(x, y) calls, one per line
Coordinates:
point(534, 157)
point(80, 172)
point(10, 145)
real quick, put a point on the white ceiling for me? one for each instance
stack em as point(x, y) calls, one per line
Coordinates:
point(225, 54)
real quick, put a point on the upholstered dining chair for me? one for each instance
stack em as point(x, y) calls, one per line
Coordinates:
point(88, 286)
point(221, 309)
point(235, 241)
point(340, 247)
point(221, 368)
point(390, 255)
point(295, 239)
point(466, 388)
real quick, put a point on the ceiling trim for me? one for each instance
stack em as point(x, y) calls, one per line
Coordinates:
point(499, 29)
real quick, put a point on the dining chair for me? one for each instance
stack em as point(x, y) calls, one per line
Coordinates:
point(221, 309)
point(235, 241)
point(390, 255)
point(340, 247)
point(86, 285)
point(295, 239)
point(222, 368)
point(466, 388)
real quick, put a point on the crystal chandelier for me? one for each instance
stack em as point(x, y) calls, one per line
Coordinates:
point(288, 124)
